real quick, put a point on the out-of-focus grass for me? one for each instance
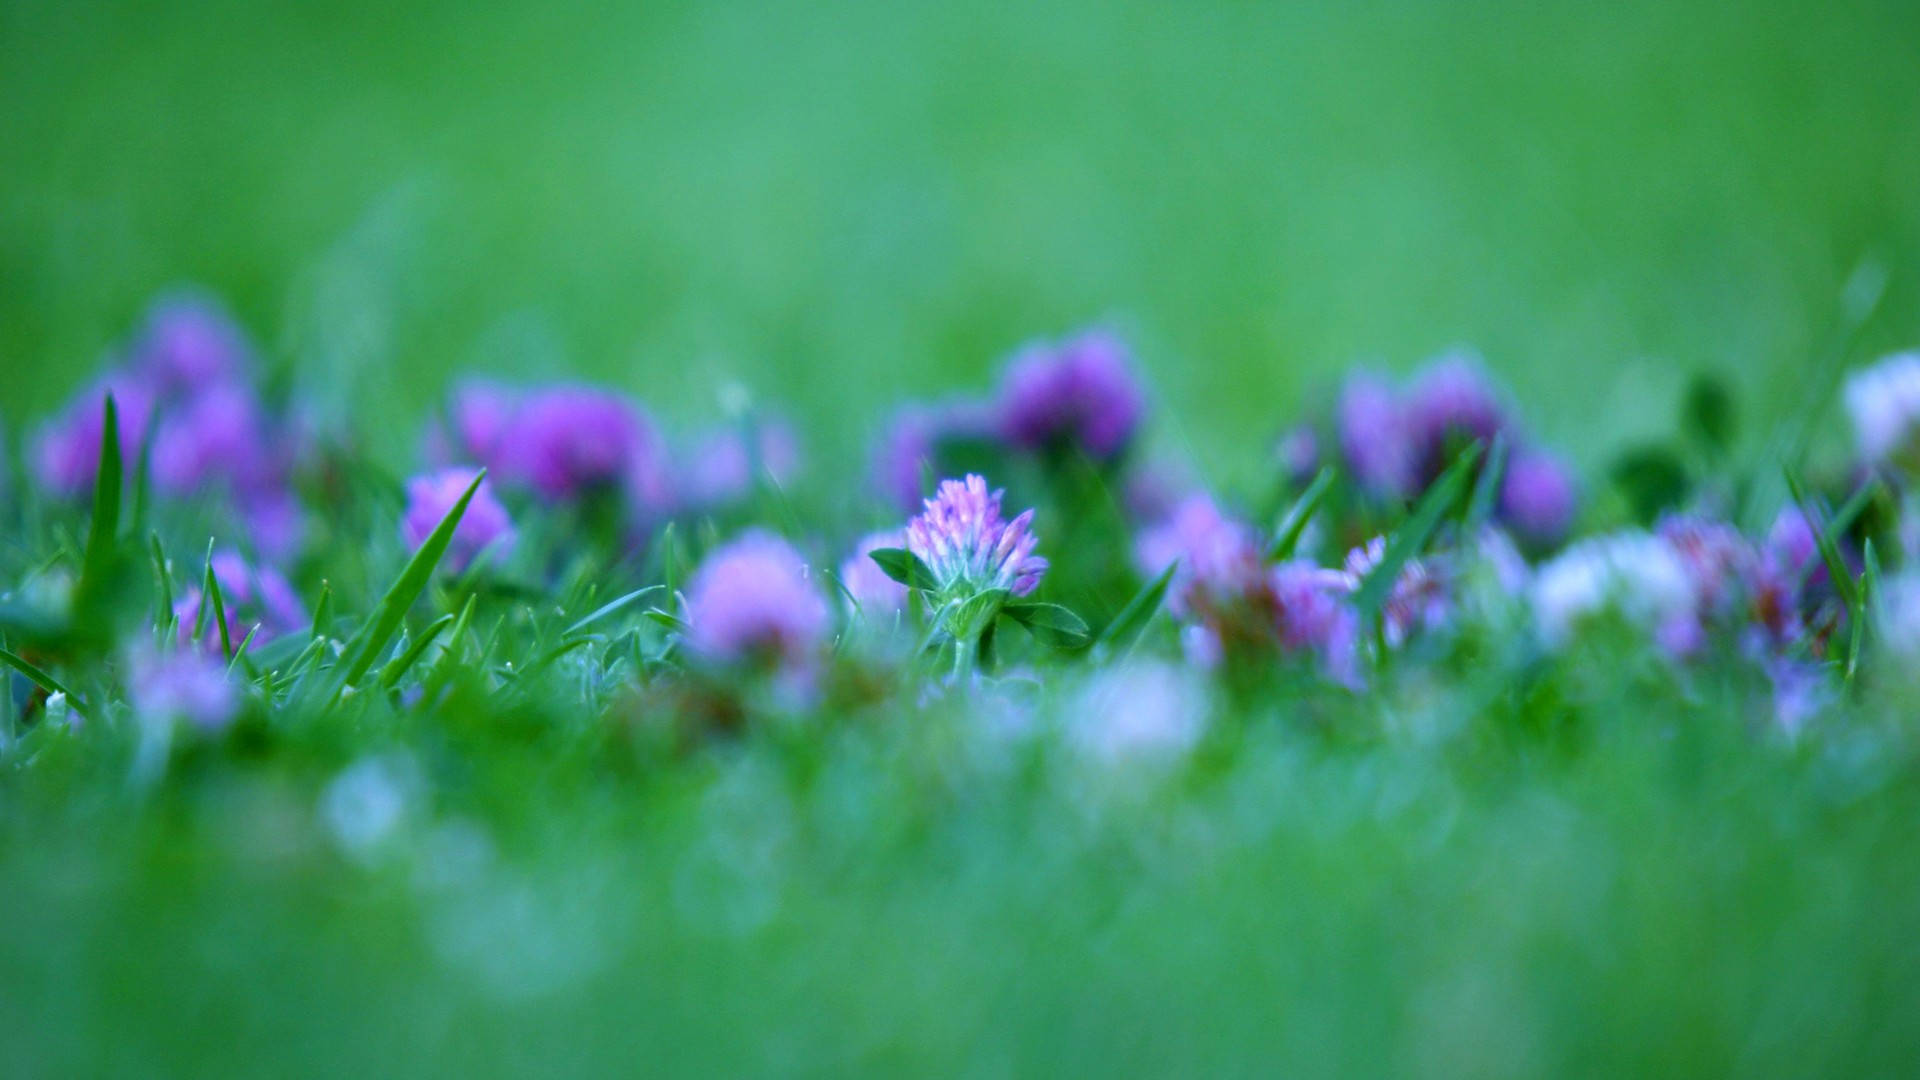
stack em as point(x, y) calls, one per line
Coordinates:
point(841, 204)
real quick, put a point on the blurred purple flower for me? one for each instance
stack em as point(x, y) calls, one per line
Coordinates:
point(965, 542)
point(66, 452)
point(219, 435)
point(485, 527)
point(1375, 437)
point(1218, 556)
point(1081, 394)
point(565, 441)
point(1791, 540)
point(875, 592)
point(190, 342)
point(1451, 402)
point(1537, 498)
point(1311, 614)
point(752, 599)
point(1419, 599)
point(727, 462)
point(479, 414)
point(275, 521)
point(254, 596)
point(182, 685)
point(910, 448)
point(1298, 454)
point(1633, 572)
point(1140, 712)
point(1722, 564)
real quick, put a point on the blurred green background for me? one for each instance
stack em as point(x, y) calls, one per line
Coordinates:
point(843, 204)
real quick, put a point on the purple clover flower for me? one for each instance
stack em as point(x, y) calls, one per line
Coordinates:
point(1081, 394)
point(568, 440)
point(1219, 557)
point(1419, 599)
point(182, 685)
point(1311, 615)
point(1538, 498)
point(66, 450)
point(1375, 437)
point(1451, 402)
point(911, 446)
point(219, 435)
point(727, 462)
point(484, 528)
point(190, 342)
point(965, 542)
point(254, 596)
point(479, 414)
point(752, 600)
point(875, 592)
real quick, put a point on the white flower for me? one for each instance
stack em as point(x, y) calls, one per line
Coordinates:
point(1633, 572)
point(1884, 401)
point(1145, 710)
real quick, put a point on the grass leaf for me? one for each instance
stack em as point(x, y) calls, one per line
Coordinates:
point(399, 665)
point(1050, 623)
point(38, 677)
point(1300, 515)
point(1486, 488)
point(373, 635)
point(1120, 634)
point(905, 567)
point(609, 608)
point(1412, 536)
point(1826, 537)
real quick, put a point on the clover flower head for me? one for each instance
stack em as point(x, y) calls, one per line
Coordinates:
point(1375, 437)
point(1419, 600)
point(1634, 572)
point(1219, 557)
point(1538, 498)
point(727, 462)
point(486, 526)
point(965, 542)
point(914, 443)
point(66, 449)
point(1884, 402)
point(1081, 394)
point(181, 685)
point(752, 598)
point(566, 441)
point(1452, 398)
point(189, 342)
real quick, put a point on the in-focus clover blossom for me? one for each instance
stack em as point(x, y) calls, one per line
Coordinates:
point(753, 600)
point(1884, 403)
point(183, 685)
point(253, 596)
point(962, 538)
point(1080, 394)
point(876, 593)
point(485, 528)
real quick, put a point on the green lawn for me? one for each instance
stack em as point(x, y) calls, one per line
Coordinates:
point(845, 205)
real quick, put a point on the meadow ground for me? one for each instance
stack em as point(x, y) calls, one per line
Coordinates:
point(1486, 863)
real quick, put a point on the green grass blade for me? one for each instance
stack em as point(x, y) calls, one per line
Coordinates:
point(1119, 635)
point(322, 611)
point(211, 587)
point(399, 665)
point(1486, 489)
point(1826, 538)
point(1412, 536)
point(38, 677)
point(609, 608)
point(379, 629)
point(163, 617)
point(1300, 515)
point(96, 562)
